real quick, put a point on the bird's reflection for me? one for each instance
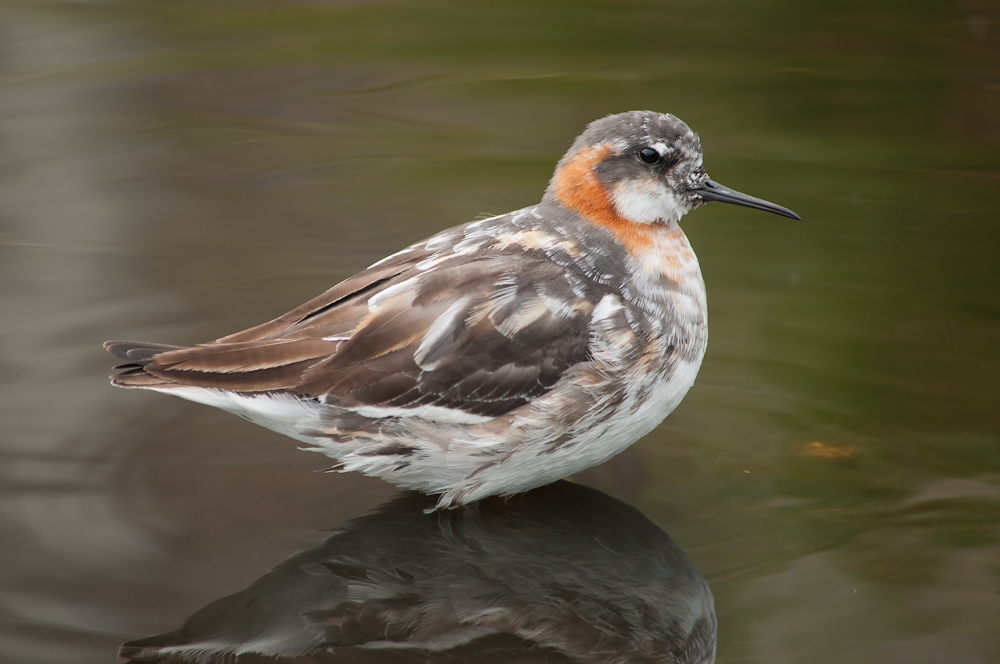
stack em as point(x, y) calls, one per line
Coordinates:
point(560, 574)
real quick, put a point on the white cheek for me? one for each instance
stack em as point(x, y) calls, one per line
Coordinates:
point(647, 202)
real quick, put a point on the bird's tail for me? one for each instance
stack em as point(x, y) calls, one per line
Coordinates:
point(137, 354)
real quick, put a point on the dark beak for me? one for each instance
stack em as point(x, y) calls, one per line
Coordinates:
point(713, 191)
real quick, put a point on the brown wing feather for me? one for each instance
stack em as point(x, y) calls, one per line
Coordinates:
point(331, 306)
point(482, 335)
point(270, 356)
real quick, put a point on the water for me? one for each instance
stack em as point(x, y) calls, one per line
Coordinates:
point(177, 171)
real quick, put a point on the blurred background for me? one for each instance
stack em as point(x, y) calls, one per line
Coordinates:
point(176, 171)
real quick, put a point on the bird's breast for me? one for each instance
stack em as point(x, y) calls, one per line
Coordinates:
point(665, 282)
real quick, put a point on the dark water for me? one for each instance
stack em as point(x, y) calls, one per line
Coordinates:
point(177, 171)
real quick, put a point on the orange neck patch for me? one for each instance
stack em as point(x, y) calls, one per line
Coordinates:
point(576, 186)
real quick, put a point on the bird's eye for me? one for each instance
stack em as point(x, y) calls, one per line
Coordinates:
point(649, 155)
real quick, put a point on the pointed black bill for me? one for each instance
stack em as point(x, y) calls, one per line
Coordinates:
point(713, 191)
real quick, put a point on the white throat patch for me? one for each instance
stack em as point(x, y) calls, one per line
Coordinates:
point(647, 201)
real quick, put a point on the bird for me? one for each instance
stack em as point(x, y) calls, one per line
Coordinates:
point(496, 356)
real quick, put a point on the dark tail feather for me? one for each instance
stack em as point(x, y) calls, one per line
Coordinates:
point(137, 355)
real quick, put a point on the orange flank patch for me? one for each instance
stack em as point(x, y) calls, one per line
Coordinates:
point(821, 451)
point(577, 187)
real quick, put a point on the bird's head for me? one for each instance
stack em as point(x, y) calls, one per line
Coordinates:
point(640, 168)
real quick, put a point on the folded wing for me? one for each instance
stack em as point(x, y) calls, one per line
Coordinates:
point(478, 335)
